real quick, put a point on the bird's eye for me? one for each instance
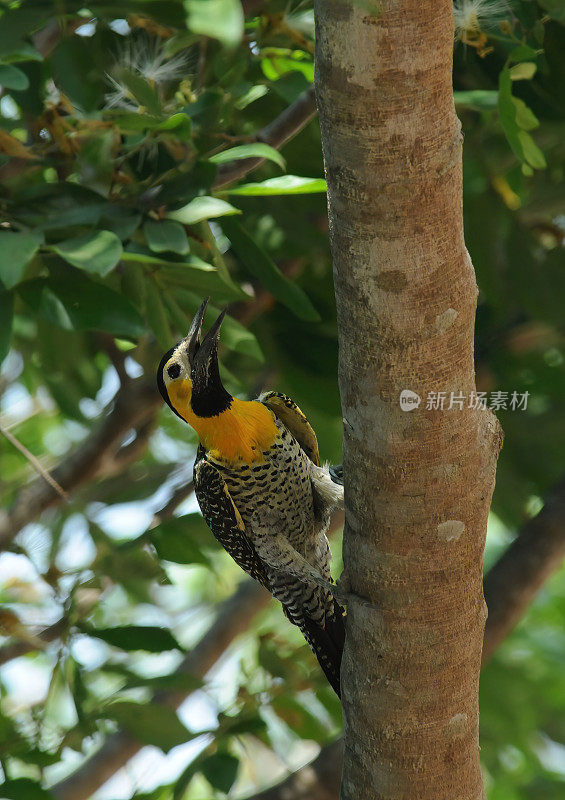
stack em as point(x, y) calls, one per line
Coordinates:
point(173, 371)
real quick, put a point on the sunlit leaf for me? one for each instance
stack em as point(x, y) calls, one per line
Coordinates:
point(256, 150)
point(523, 71)
point(514, 117)
point(220, 19)
point(97, 252)
point(525, 117)
point(532, 153)
point(285, 184)
point(202, 208)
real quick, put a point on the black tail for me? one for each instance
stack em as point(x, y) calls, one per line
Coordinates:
point(327, 644)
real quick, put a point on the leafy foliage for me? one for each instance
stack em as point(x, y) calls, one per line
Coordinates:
point(117, 121)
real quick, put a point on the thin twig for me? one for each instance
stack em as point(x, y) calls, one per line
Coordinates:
point(35, 463)
point(286, 126)
point(133, 405)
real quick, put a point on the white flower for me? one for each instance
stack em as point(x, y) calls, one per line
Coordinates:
point(146, 58)
point(472, 16)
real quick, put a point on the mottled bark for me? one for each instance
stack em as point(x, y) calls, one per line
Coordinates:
point(418, 483)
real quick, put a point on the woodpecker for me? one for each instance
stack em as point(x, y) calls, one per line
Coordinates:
point(260, 487)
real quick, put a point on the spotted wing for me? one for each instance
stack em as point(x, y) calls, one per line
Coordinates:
point(224, 520)
point(292, 417)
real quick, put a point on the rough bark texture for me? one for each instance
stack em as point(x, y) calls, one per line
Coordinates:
point(419, 483)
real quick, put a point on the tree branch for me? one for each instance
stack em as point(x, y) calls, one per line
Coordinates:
point(318, 780)
point(521, 571)
point(133, 406)
point(234, 616)
point(21, 648)
point(287, 125)
point(25, 646)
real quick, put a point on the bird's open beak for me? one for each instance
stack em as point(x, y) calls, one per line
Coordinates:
point(209, 397)
point(207, 351)
point(193, 336)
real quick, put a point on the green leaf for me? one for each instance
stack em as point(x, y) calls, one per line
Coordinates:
point(532, 154)
point(6, 320)
point(166, 236)
point(97, 252)
point(77, 302)
point(177, 681)
point(236, 337)
point(17, 250)
point(219, 19)
point(523, 71)
point(257, 150)
point(260, 265)
point(479, 99)
point(121, 221)
point(13, 78)
point(525, 117)
point(202, 208)
point(220, 770)
point(150, 723)
point(180, 125)
point(507, 112)
point(285, 184)
point(139, 88)
point(515, 118)
point(299, 718)
point(279, 63)
point(61, 205)
point(191, 273)
point(73, 63)
point(555, 9)
point(523, 52)
point(255, 93)
point(181, 539)
point(24, 789)
point(132, 121)
point(157, 316)
point(136, 637)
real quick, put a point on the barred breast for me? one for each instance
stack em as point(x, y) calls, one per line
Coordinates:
point(282, 484)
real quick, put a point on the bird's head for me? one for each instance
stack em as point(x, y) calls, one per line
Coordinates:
point(188, 376)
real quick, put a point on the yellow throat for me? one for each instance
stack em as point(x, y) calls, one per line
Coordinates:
point(239, 434)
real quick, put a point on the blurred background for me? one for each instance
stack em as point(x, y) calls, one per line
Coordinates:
point(128, 637)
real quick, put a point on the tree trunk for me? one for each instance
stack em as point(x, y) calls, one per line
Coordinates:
point(418, 483)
